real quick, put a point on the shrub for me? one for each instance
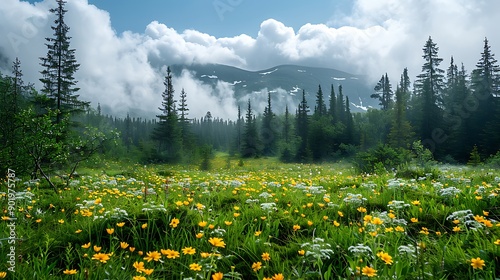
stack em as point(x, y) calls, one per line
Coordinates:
point(381, 157)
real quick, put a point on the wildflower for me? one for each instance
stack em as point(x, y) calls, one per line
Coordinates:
point(188, 251)
point(199, 235)
point(497, 242)
point(3, 274)
point(101, 257)
point(369, 271)
point(120, 224)
point(97, 249)
point(302, 252)
point(456, 229)
point(78, 231)
point(389, 229)
point(414, 220)
point(139, 277)
point(340, 214)
point(217, 276)
point(174, 222)
point(61, 221)
point(399, 229)
point(124, 245)
point(67, 272)
point(171, 254)
point(310, 223)
point(202, 224)
point(278, 276)
point(391, 215)
point(38, 220)
point(155, 255)
point(236, 208)
point(236, 215)
point(144, 226)
point(335, 223)
point(385, 257)
point(110, 230)
point(139, 266)
point(266, 257)
point(148, 271)
point(361, 209)
point(228, 223)
point(217, 242)
point(477, 263)
point(131, 249)
point(195, 267)
point(296, 227)
point(256, 266)
point(415, 202)
point(377, 221)
point(257, 233)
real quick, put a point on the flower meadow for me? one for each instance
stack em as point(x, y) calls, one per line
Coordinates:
point(263, 220)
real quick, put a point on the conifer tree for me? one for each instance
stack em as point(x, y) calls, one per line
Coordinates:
point(302, 129)
point(250, 145)
point(167, 132)
point(320, 108)
point(60, 65)
point(383, 92)
point(268, 132)
point(333, 105)
point(401, 134)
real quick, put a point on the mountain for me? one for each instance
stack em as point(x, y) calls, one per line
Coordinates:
point(286, 82)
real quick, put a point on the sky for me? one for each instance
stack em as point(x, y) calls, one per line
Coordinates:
point(123, 47)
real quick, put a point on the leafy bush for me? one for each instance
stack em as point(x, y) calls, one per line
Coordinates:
point(381, 157)
point(494, 160)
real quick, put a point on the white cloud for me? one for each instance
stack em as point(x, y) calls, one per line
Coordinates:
point(125, 71)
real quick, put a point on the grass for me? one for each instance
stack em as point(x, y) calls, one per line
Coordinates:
point(259, 220)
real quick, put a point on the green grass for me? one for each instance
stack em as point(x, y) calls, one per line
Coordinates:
point(314, 222)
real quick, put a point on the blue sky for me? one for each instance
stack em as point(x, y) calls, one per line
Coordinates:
point(220, 18)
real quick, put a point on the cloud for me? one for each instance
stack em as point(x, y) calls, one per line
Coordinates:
point(124, 72)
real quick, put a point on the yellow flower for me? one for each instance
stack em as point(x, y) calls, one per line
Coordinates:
point(131, 249)
point(153, 256)
point(361, 209)
point(171, 254)
point(414, 220)
point(97, 201)
point(257, 233)
point(391, 215)
point(199, 235)
point(497, 242)
point(67, 272)
point(61, 221)
point(174, 222)
point(340, 214)
point(101, 257)
point(138, 277)
point(456, 229)
point(377, 221)
point(145, 225)
point(202, 224)
point(266, 257)
point(335, 223)
point(124, 245)
point(278, 276)
point(477, 263)
point(256, 266)
point(236, 215)
point(110, 230)
point(228, 223)
point(217, 276)
point(302, 252)
point(415, 202)
point(78, 231)
point(120, 224)
point(399, 229)
point(148, 271)
point(236, 208)
point(369, 271)
point(195, 267)
point(97, 249)
point(188, 251)
point(38, 220)
point(385, 257)
point(3, 274)
point(296, 227)
point(86, 246)
point(139, 266)
point(217, 242)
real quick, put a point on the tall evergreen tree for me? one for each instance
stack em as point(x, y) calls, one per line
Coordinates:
point(184, 121)
point(429, 87)
point(486, 90)
point(60, 66)
point(340, 104)
point(320, 108)
point(349, 123)
point(167, 132)
point(268, 132)
point(383, 92)
point(250, 145)
point(401, 133)
point(333, 105)
point(302, 130)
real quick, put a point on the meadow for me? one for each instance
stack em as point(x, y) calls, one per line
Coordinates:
point(258, 220)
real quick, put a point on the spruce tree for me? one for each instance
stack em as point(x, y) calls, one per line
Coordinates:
point(320, 108)
point(302, 129)
point(250, 145)
point(167, 132)
point(429, 87)
point(333, 105)
point(60, 65)
point(383, 92)
point(401, 134)
point(268, 132)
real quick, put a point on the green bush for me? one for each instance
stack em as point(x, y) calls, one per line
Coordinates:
point(381, 157)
